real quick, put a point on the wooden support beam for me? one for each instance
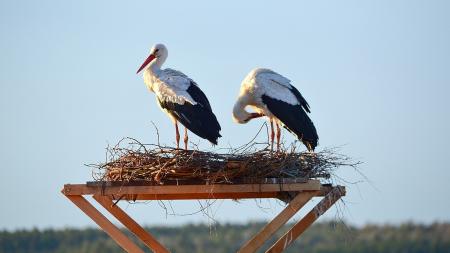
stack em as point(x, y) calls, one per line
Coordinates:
point(243, 195)
point(198, 182)
point(309, 219)
point(83, 189)
point(129, 223)
point(105, 194)
point(240, 195)
point(105, 224)
point(267, 231)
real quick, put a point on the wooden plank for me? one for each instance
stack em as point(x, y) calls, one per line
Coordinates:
point(82, 189)
point(132, 225)
point(309, 219)
point(105, 224)
point(198, 182)
point(243, 195)
point(267, 231)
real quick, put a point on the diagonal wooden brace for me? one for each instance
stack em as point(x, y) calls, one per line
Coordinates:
point(267, 231)
point(334, 195)
point(129, 223)
point(105, 224)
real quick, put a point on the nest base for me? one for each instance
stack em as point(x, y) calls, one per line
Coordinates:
point(163, 165)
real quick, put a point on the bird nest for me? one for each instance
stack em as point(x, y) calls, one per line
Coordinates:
point(131, 161)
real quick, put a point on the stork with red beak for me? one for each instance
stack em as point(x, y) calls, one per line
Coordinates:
point(180, 98)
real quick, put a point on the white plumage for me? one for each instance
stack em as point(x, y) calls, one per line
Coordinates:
point(271, 94)
point(262, 81)
point(179, 97)
point(169, 85)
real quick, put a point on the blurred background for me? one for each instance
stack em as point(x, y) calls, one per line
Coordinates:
point(376, 74)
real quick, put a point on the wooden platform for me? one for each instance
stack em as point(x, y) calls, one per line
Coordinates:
point(296, 192)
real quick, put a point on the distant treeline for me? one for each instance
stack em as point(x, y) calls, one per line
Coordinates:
point(320, 238)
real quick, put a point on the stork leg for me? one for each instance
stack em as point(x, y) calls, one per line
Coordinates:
point(177, 135)
point(186, 138)
point(278, 136)
point(272, 135)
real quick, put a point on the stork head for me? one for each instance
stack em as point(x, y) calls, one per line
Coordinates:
point(158, 55)
point(240, 115)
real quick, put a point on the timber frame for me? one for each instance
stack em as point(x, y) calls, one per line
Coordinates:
point(299, 192)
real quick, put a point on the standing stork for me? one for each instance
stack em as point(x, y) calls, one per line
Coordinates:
point(179, 97)
point(272, 95)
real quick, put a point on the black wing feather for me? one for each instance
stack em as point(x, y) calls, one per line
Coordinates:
point(198, 118)
point(294, 119)
point(198, 95)
point(300, 98)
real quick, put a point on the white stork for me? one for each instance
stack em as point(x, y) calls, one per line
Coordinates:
point(179, 97)
point(271, 94)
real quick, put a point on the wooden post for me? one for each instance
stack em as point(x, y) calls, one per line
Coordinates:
point(258, 240)
point(304, 223)
point(132, 225)
point(105, 224)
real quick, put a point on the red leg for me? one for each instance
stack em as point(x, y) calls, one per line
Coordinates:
point(272, 135)
point(278, 136)
point(177, 135)
point(186, 138)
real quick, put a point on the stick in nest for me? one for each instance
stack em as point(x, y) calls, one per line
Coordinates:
point(159, 164)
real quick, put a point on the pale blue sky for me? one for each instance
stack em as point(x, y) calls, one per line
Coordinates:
point(376, 74)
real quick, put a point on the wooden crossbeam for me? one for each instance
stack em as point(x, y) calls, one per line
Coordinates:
point(129, 223)
point(83, 189)
point(243, 195)
point(235, 181)
point(289, 237)
point(212, 195)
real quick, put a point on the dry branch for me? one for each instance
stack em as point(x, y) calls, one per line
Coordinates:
point(158, 164)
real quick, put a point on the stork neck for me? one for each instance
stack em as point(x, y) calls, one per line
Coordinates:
point(151, 74)
point(240, 115)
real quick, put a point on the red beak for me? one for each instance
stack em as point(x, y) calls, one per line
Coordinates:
point(146, 62)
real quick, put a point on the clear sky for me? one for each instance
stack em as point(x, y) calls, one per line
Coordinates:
point(376, 74)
